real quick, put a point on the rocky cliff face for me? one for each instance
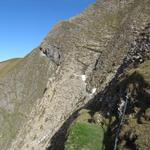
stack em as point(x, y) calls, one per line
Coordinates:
point(40, 96)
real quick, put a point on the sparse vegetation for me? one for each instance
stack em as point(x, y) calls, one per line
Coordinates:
point(93, 44)
point(6, 66)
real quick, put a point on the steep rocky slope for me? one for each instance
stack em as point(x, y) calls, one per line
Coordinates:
point(128, 122)
point(76, 64)
point(22, 82)
point(119, 117)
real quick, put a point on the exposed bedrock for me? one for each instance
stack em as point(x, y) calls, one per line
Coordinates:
point(72, 67)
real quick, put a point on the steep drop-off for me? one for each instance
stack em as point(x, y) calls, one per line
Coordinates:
point(75, 65)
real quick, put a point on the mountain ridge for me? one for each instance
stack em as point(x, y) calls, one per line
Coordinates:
point(49, 85)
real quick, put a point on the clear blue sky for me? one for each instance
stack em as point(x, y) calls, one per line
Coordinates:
point(24, 23)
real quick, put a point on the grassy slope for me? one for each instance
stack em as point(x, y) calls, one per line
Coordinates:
point(6, 66)
point(20, 88)
point(144, 70)
point(137, 81)
point(140, 75)
point(7, 126)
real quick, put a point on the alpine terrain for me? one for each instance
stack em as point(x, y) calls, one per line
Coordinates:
point(85, 87)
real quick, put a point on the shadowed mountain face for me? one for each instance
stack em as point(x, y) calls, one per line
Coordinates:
point(76, 60)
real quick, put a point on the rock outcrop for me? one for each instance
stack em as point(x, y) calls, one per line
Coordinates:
point(75, 65)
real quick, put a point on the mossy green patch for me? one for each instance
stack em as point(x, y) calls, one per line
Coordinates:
point(85, 136)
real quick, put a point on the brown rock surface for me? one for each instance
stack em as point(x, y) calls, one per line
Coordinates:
point(83, 55)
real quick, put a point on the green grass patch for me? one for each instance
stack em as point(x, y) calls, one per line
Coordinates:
point(85, 136)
